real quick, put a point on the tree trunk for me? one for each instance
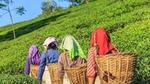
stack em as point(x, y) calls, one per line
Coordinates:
point(12, 23)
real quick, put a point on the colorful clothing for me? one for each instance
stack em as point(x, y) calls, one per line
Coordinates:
point(49, 56)
point(70, 43)
point(91, 64)
point(50, 40)
point(65, 61)
point(33, 58)
point(100, 45)
point(72, 55)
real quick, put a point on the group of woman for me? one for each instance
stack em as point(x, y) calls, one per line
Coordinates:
point(72, 54)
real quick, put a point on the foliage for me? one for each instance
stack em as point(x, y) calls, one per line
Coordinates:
point(16, 79)
point(20, 10)
point(2, 5)
point(5, 6)
point(127, 21)
point(78, 2)
point(48, 7)
point(59, 8)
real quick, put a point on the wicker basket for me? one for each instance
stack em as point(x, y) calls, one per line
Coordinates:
point(77, 74)
point(116, 69)
point(54, 75)
point(34, 70)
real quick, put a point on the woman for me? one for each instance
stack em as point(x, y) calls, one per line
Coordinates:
point(72, 55)
point(50, 55)
point(33, 58)
point(100, 44)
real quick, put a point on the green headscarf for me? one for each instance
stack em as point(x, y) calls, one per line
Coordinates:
point(70, 43)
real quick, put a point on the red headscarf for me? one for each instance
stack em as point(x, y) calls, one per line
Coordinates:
point(101, 38)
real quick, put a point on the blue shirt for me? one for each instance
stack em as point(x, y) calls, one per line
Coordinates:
point(50, 56)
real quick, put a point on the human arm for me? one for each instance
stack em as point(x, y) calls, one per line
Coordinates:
point(42, 66)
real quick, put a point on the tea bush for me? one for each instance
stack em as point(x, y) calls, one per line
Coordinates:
point(16, 79)
point(127, 21)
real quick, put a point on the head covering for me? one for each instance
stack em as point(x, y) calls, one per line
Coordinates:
point(50, 40)
point(33, 58)
point(101, 38)
point(69, 43)
point(34, 55)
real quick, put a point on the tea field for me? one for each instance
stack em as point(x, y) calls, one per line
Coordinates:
point(127, 21)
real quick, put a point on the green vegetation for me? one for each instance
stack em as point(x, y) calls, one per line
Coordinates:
point(127, 21)
point(16, 79)
point(48, 7)
point(5, 6)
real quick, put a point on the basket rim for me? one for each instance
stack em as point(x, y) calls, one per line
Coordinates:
point(114, 55)
point(82, 66)
point(34, 65)
point(52, 64)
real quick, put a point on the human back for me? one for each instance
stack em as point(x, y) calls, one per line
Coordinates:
point(71, 56)
point(49, 56)
point(33, 61)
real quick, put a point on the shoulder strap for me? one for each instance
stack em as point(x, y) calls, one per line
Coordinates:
point(95, 45)
point(65, 60)
point(94, 36)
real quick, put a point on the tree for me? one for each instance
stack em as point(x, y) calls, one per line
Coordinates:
point(59, 8)
point(48, 6)
point(77, 2)
point(5, 6)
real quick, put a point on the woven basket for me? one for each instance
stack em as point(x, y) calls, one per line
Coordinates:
point(54, 75)
point(34, 70)
point(116, 69)
point(77, 74)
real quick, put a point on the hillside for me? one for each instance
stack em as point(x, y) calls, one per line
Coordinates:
point(127, 21)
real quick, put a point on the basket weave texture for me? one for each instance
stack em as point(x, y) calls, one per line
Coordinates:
point(34, 70)
point(77, 74)
point(116, 69)
point(54, 75)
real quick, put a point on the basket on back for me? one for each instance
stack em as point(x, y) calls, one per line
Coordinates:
point(116, 69)
point(34, 70)
point(53, 70)
point(77, 74)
